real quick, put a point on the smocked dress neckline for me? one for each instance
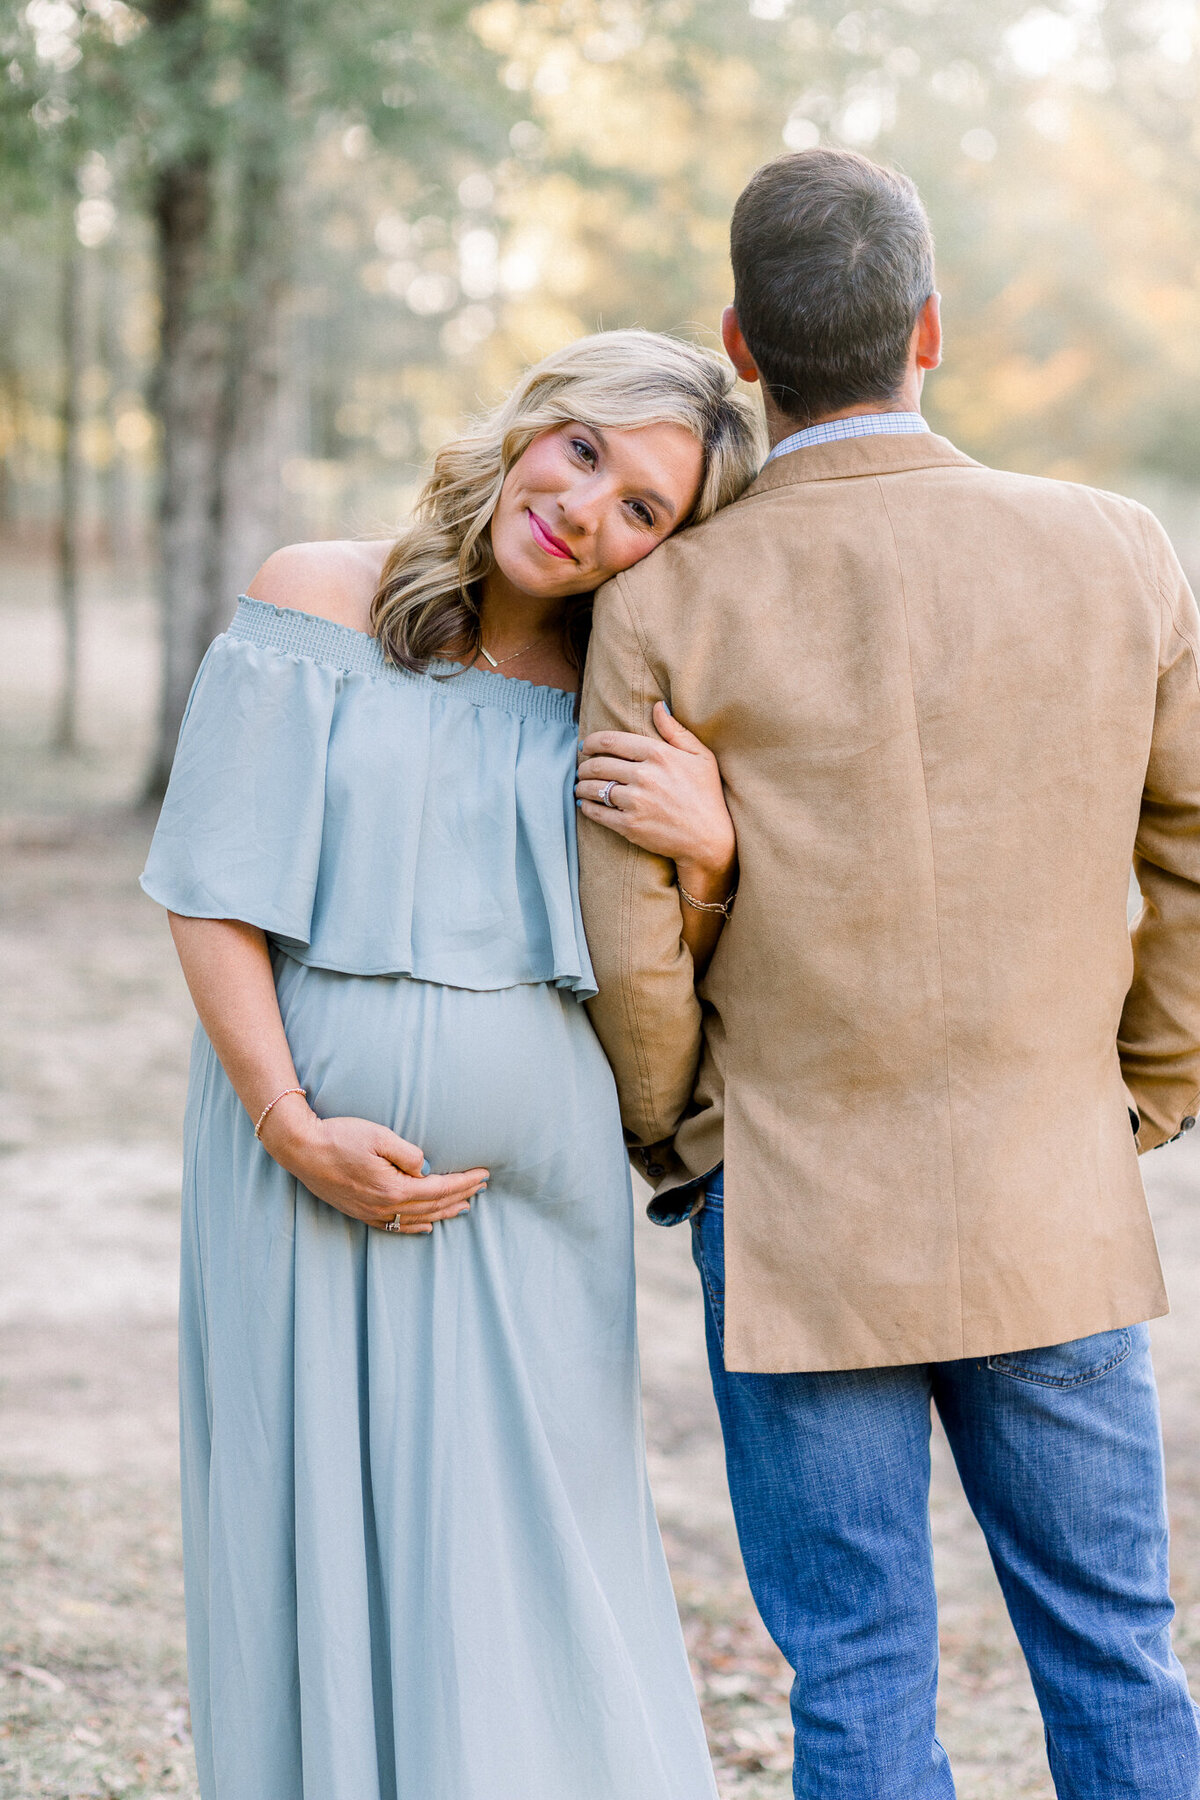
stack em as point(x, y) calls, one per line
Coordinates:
point(298, 633)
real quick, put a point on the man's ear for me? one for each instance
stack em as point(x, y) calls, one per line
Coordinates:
point(929, 333)
point(736, 347)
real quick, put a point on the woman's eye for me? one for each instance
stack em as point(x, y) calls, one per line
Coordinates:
point(584, 451)
point(642, 513)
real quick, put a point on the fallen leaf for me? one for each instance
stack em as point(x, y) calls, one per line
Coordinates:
point(43, 1677)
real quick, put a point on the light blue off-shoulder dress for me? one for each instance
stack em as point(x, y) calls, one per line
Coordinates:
point(421, 1557)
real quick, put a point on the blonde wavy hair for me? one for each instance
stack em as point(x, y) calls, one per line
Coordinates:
point(427, 601)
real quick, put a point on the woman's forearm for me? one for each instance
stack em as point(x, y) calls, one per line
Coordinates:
point(701, 930)
point(227, 967)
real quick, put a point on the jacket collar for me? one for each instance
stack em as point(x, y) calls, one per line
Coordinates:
point(850, 459)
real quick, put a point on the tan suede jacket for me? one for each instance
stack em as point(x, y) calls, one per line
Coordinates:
point(951, 707)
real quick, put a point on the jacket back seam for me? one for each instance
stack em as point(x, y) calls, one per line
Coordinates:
point(937, 918)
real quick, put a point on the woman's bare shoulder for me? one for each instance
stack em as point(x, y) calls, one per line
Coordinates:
point(335, 579)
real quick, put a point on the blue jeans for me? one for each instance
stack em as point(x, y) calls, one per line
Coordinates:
point(1060, 1455)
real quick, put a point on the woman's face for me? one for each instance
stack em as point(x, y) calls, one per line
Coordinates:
point(581, 504)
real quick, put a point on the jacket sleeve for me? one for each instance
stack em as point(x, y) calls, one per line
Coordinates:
point(646, 1013)
point(1159, 1037)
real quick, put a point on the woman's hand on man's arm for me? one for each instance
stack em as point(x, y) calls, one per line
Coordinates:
point(666, 797)
point(361, 1168)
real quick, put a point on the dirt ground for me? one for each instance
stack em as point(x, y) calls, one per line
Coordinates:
point(93, 1048)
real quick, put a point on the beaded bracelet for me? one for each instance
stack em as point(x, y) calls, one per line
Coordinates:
point(262, 1117)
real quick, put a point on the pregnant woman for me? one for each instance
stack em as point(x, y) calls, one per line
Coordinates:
point(421, 1557)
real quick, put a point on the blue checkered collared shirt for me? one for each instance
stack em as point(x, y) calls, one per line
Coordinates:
point(829, 431)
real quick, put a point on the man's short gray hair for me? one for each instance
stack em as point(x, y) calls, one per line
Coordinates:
point(832, 263)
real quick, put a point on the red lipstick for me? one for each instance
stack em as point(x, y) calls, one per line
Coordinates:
point(545, 539)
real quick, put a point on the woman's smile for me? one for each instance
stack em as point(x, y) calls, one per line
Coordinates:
point(545, 539)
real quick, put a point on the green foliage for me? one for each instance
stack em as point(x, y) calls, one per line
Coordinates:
point(471, 185)
point(1055, 145)
point(231, 82)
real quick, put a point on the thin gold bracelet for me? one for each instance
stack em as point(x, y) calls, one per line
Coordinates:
point(262, 1117)
point(724, 907)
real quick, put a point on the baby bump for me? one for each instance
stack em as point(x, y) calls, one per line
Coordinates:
point(512, 1080)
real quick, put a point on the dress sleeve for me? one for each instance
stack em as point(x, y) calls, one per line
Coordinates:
point(239, 836)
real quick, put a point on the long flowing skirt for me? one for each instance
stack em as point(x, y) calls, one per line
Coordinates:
point(421, 1557)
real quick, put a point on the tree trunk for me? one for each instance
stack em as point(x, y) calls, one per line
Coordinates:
point(188, 398)
point(250, 442)
point(121, 535)
point(250, 448)
point(10, 425)
point(70, 470)
point(219, 375)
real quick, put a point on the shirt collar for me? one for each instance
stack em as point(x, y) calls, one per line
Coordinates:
point(829, 431)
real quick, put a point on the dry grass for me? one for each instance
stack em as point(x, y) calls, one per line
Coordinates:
point(94, 1698)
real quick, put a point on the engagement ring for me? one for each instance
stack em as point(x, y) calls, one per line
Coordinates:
point(605, 794)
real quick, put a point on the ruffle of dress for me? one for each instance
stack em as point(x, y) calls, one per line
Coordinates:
point(373, 821)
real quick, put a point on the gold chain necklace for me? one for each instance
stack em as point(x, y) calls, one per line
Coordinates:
point(512, 657)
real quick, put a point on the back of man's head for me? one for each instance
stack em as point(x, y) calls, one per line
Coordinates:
point(832, 263)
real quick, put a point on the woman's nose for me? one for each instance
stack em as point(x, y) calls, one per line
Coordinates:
point(583, 508)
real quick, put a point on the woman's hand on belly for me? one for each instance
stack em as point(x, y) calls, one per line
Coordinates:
point(366, 1171)
point(363, 1169)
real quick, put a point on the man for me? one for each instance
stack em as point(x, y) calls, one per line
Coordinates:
point(950, 706)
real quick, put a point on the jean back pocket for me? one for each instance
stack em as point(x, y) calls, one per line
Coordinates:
point(1066, 1365)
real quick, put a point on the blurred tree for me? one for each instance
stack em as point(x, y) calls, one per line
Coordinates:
point(66, 735)
point(173, 90)
point(258, 85)
point(366, 222)
point(48, 121)
point(1056, 147)
point(223, 101)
